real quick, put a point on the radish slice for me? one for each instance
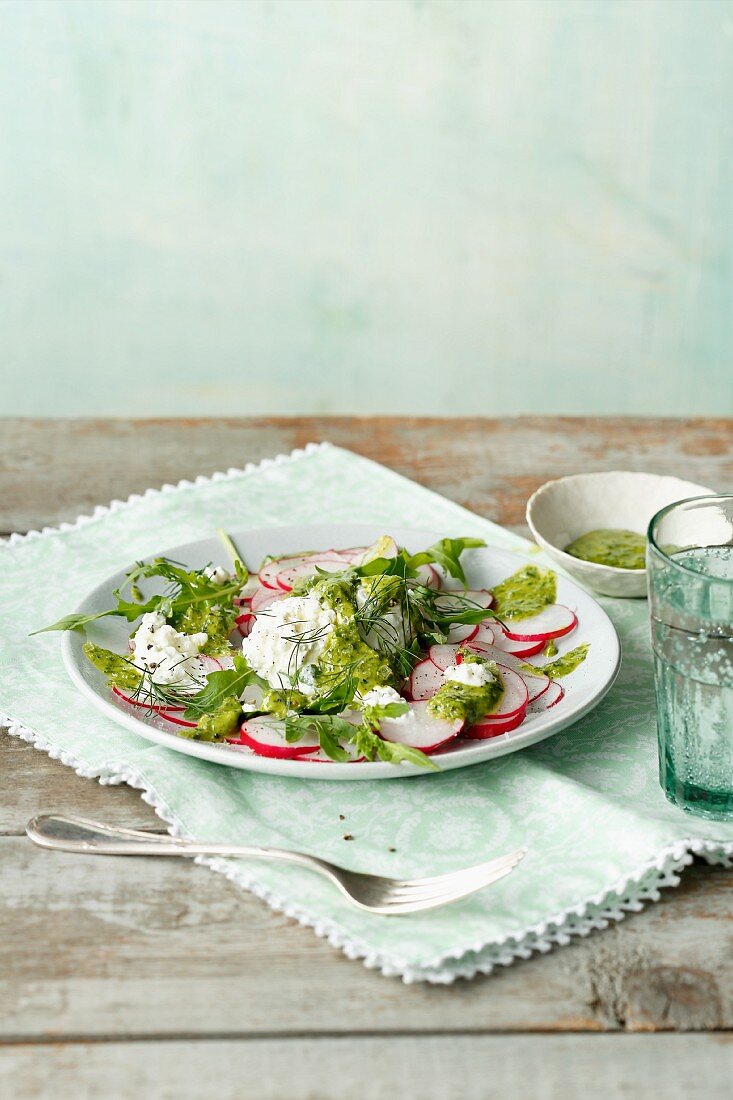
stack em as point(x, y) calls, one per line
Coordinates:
point(536, 682)
point(352, 554)
point(428, 576)
point(462, 632)
point(288, 577)
point(170, 717)
point(263, 597)
point(425, 680)
point(508, 645)
point(549, 698)
point(248, 588)
point(270, 569)
point(551, 622)
point(484, 634)
point(213, 664)
point(419, 730)
point(140, 703)
point(492, 727)
point(266, 736)
point(515, 697)
point(443, 655)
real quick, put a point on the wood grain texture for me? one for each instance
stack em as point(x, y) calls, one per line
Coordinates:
point(560, 1067)
point(51, 471)
point(151, 948)
point(223, 990)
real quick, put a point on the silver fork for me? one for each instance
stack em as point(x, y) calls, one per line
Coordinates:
point(392, 897)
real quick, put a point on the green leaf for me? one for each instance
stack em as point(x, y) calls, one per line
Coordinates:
point(374, 714)
point(446, 553)
point(371, 745)
point(219, 685)
point(187, 588)
point(327, 727)
point(395, 753)
point(72, 622)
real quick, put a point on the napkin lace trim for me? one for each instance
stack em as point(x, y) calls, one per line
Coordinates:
point(595, 912)
point(102, 510)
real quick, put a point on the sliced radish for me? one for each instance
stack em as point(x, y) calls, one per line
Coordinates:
point(213, 664)
point(443, 655)
point(168, 715)
point(549, 698)
point(266, 736)
point(492, 727)
point(351, 554)
point(508, 645)
point(263, 597)
point(270, 569)
point(428, 576)
point(425, 680)
point(536, 682)
point(248, 589)
point(419, 730)
point(462, 632)
point(551, 622)
point(139, 703)
point(485, 633)
point(515, 697)
point(287, 578)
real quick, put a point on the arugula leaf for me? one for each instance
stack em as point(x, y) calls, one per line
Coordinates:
point(371, 745)
point(399, 566)
point(374, 714)
point(394, 753)
point(446, 553)
point(336, 698)
point(219, 685)
point(71, 622)
point(327, 727)
point(187, 588)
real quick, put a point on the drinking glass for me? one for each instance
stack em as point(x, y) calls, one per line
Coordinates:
point(690, 575)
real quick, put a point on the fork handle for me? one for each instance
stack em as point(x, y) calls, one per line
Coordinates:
point(77, 834)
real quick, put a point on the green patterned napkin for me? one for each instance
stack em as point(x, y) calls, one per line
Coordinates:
point(586, 803)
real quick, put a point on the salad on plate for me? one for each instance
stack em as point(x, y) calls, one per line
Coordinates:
point(348, 655)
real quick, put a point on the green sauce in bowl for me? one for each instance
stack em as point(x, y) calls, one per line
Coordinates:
point(609, 546)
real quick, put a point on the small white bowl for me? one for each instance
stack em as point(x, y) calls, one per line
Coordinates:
point(560, 511)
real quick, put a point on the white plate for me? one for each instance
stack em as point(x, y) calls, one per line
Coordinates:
point(484, 568)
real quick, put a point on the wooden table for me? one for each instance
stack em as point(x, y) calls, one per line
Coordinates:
point(143, 979)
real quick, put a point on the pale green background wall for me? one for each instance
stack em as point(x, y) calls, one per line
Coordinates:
point(336, 205)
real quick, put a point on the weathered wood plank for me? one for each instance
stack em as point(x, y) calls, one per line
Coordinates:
point(33, 783)
point(144, 948)
point(559, 1067)
point(53, 470)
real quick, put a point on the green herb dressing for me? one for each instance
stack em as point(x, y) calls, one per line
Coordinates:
point(610, 546)
point(345, 649)
point(222, 722)
point(564, 665)
point(454, 700)
point(525, 593)
point(217, 622)
point(119, 670)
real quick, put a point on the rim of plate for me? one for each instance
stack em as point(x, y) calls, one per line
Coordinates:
point(539, 727)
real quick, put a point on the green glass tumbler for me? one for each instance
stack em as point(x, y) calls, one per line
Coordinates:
point(690, 577)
